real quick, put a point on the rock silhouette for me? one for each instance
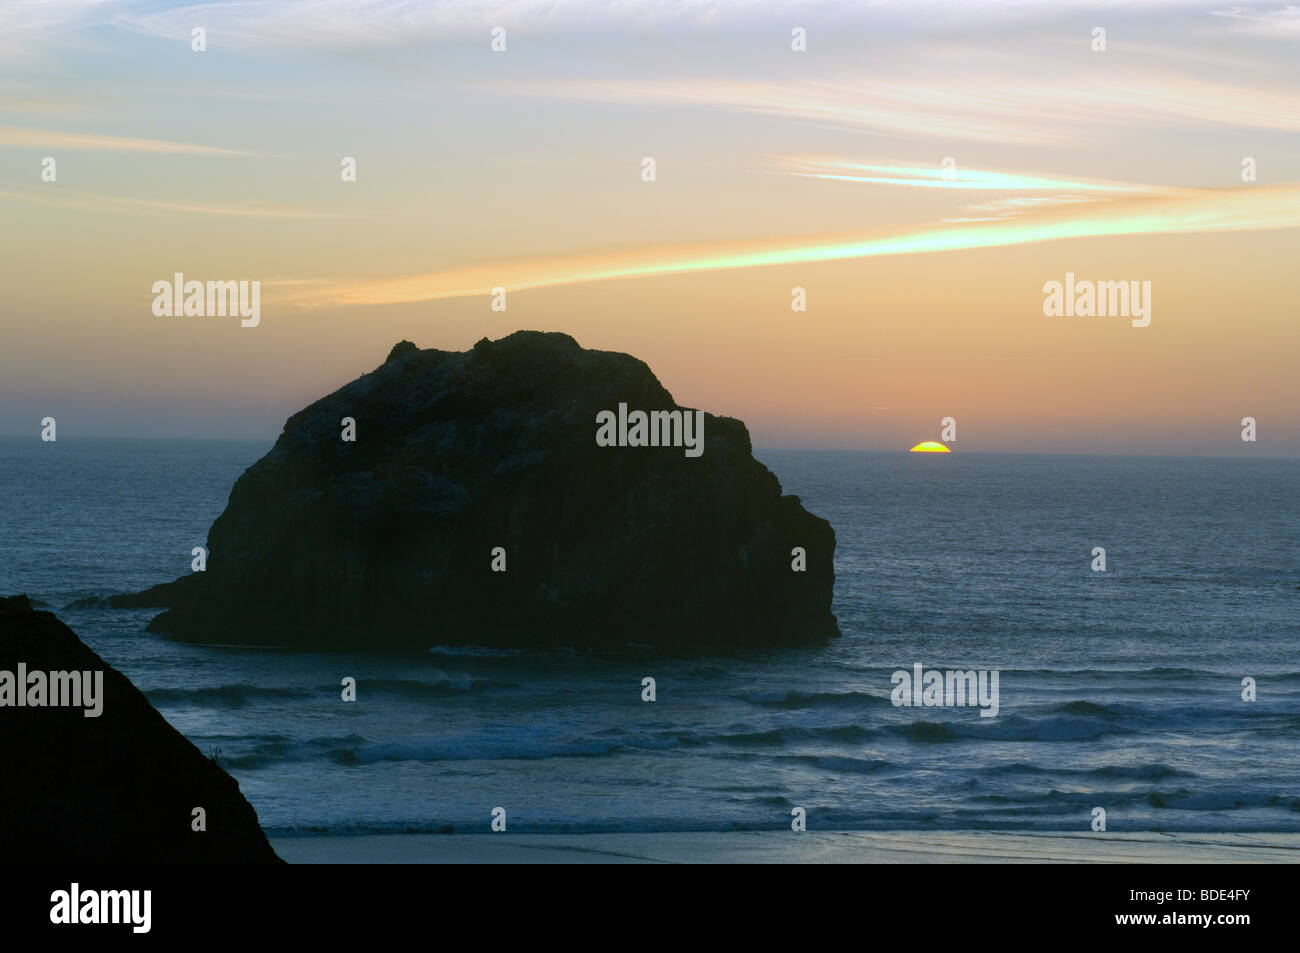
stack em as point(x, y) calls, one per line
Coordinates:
point(116, 788)
point(387, 541)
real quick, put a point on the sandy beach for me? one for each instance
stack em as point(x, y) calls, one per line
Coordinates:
point(818, 847)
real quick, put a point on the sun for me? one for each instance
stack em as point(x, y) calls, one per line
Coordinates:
point(930, 446)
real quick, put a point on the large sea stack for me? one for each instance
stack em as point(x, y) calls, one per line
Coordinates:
point(388, 540)
point(119, 787)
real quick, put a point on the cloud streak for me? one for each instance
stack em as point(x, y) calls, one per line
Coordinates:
point(1274, 20)
point(1051, 190)
point(1201, 211)
point(390, 20)
point(1014, 109)
point(14, 136)
point(935, 177)
point(95, 202)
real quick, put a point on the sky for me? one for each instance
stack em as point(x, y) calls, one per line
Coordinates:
point(921, 170)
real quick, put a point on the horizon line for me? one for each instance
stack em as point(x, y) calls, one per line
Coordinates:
point(756, 448)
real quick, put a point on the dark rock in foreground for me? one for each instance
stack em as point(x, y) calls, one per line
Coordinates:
point(387, 541)
point(116, 788)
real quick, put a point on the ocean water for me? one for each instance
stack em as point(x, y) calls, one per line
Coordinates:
point(1119, 690)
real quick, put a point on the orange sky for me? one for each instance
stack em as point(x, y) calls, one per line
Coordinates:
point(775, 169)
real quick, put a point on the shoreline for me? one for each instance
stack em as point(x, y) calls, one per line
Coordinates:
point(784, 847)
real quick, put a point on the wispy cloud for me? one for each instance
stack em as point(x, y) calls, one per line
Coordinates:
point(1279, 19)
point(936, 177)
point(929, 112)
point(378, 23)
point(26, 97)
point(47, 138)
point(1201, 211)
point(1010, 78)
point(1012, 109)
point(1048, 190)
point(96, 202)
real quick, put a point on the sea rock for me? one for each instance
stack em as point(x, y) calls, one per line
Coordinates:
point(120, 787)
point(387, 541)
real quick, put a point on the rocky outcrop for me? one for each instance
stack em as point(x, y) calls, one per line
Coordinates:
point(118, 787)
point(388, 540)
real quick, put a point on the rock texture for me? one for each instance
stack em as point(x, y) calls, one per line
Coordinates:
point(387, 541)
point(117, 788)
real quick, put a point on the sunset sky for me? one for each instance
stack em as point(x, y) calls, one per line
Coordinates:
point(774, 169)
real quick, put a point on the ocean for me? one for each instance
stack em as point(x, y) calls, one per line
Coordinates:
point(1119, 689)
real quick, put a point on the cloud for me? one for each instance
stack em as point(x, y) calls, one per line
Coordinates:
point(96, 202)
point(45, 138)
point(871, 103)
point(1020, 73)
point(378, 23)
point(357, 24)
point(1052, 190)
point(936, 177)
point(1242, 209)
point(1010, 108)
point(29, 98)
point(1275, 20)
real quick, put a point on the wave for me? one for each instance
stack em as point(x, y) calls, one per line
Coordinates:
point(440, 687)
point(240, 694)
point(223, 696)
point(260, 751)
point(1089, 708)
point(476, 749)
point(839, 764)
point(786, 734)
point(771, 812)
point(797, 699)
point(1131, 804)
point(1183, 800)
point(1010, 728)
point(475, 651)
point(1139, 772)
point(1159, 671)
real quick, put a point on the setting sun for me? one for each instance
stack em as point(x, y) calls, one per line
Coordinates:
point(930, 446)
